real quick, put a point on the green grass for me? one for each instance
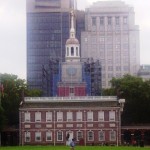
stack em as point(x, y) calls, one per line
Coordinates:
point(76, 148)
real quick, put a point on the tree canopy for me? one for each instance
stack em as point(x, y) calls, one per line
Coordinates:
point(137, 95)
point(14, 90)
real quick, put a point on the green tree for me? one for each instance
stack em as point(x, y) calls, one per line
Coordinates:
point(14, 91)
point(137, 95)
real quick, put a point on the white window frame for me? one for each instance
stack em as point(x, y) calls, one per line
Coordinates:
point(79, 116)
point(101, 116)
point(112, 135)
point(27, 136)
point(112, 116)
point(59, 116)
point(60, 133)
point(48, 116)
point(101, 136)
point(27, 117)
point(90, 116)
point(90, 136)
point(79, 135)
point(49, 136)
point(69, 116)
point(38, 135)
point(37, 116)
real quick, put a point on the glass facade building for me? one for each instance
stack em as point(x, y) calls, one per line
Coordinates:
point(48, 25)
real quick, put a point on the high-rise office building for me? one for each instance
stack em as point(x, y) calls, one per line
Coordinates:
point(48, 23)
point(112, 37)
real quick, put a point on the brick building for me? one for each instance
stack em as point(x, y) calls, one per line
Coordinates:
point(56, 120)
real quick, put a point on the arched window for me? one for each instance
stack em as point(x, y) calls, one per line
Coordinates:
point(67, 51)
point(72, 51)
point(77, 53)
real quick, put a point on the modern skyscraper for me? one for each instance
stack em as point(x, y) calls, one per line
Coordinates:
point(48, 23)
point(112, 37)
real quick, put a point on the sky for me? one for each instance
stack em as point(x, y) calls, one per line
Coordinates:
point(13, 33)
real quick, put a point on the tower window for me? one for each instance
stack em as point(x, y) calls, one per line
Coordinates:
point(72, 51)
point(77, 53)
point(67, 51)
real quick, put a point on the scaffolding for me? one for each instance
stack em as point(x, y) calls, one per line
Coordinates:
point(91, 75)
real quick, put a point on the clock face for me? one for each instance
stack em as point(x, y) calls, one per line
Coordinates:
point(71, 71)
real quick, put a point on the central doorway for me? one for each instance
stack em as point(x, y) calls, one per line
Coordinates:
point(69, 137)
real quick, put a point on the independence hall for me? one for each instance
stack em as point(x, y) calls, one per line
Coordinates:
point(56, 120)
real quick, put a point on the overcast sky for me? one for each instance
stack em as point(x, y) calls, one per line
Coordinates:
point(13, 33)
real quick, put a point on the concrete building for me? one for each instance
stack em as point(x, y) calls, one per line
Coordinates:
point(112, 37)
point(48, 24)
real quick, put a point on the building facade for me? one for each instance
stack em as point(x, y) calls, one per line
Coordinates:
point(112, 37)
point(48, 24)
point(144, 72)
point(56, 120)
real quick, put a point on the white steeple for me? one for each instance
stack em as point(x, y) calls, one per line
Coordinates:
point(72, 44)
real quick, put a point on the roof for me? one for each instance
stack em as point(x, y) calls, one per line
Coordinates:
point(72, 41)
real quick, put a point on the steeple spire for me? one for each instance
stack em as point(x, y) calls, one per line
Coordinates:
point(72, 44)
point(72, 30)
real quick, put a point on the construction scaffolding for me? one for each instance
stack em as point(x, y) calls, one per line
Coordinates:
point(92, 71)
point(91, 75)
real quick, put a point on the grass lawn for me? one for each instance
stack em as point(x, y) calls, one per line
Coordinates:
point(76, 148)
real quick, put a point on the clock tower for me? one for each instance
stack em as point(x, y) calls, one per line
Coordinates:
point(72, 83)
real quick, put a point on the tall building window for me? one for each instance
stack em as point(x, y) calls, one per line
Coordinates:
point(48, 136)
point(72, 51)
point(59, 136)
point(101, 21)
point(48, 116)
point(102, 39)
point(93, 21)
point(89, 116)
point(27, 117)
point(90, 136)
point(79, 135)
point(109, 20)
point(101, 136)
point(117, 21)
point(101, 116)
point(112, 136)
point(124, 20)
point(37, 116)
point(37, 136)
point(27, 136)
point(69, 116)
point(79, 116)
point(111, 115)
point(59, 116)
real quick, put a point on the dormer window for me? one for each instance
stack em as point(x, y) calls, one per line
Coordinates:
point(72, 51)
